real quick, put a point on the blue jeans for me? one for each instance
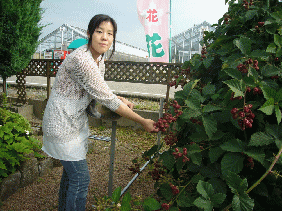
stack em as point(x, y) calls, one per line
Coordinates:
point(74, 186)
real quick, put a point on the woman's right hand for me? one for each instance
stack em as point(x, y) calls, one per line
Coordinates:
point(148, 125)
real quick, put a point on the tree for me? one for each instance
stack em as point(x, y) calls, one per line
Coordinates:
point(19, 33)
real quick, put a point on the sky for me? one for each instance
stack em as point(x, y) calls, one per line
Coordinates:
point(185, 13)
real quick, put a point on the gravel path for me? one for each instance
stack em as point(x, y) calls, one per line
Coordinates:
point(42, 195)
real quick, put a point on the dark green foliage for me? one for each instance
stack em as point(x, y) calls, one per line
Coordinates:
point(230, 127)
point(19, 32)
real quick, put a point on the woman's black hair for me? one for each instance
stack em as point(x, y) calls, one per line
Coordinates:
point(95, 23)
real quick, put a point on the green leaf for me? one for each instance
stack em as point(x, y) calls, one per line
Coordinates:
point(268, 107)
point(236, 184)
point(193, 103)
point(232, 162)
point(209, 89)
point(198, 137)
point(185, 200)
point(244, 44)
point(151, 204)
point(271, 48)
point(217, 135)
point(218, 199)
point(192, 149)
point(207, 62)
point(234, 145)
point(250, 80)
point(222, 116)
point(151, 151)
point(179, 164)
point(271, 28)
point(166, 191)
point(126, 202)
point(242, 203)
point(250, 14)
point(262, 54)
point(274, 130)
point(235, 73)
point(270, 70)
point(210, 108)
point(256, 154)
point(210, 125)
point(260, 139)
point(196, 178)
point(211, 170)
point(215, 153)
point(238, 87)
point(203, 203)
point(278, 40)
point(196, 158)
point(269, 92)
point(116, 194)
point(168, 160)
point(2, 165)
point(205, 189)
point(190, 113)
point(189, 87)
point(278, 114)
point(219, 185)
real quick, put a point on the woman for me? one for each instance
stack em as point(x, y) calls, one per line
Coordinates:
point(65, 124)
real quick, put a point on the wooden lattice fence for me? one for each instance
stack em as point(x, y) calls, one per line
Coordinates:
point(119, 71)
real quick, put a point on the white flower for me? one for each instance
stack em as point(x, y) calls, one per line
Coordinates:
point(27, 132)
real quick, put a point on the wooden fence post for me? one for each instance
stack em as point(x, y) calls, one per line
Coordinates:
point(48, 72)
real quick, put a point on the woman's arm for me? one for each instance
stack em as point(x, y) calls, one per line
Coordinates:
point(126, 112)
point(125, 101)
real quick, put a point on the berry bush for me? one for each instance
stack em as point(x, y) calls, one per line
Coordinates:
point(222, 132)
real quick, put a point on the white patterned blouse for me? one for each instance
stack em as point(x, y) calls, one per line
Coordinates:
point(65, 122)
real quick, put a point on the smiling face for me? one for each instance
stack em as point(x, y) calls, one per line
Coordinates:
point(102, 39)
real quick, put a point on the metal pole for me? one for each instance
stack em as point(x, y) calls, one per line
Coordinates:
point(112, 157)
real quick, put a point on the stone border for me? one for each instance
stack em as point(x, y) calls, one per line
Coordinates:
point(29, 172)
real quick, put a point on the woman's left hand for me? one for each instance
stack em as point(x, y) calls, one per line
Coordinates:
point(126, 102)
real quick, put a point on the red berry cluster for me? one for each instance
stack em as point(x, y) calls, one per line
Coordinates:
point(196, 121)
point(259, 24)
point(203, 53)
point(250, 161)
point(178, 154)
point(165, 206)
point(170, 139)
point(234, 98)
point(274, 77)
point(163, 123)
point(157, 171)
point(244, 68)
point(245, 117)
point(246, 4)
point(186, 74)
point(256, 90)
point(175, 189)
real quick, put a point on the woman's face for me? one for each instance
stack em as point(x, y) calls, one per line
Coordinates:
point(102, 39)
